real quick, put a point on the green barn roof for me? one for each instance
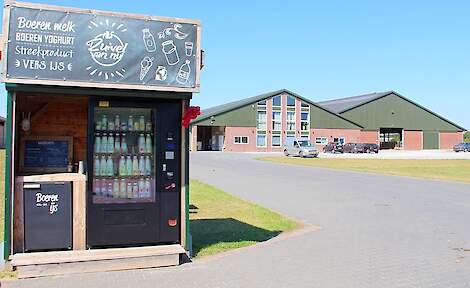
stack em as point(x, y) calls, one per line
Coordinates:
point(342, 105)
point(224, 108)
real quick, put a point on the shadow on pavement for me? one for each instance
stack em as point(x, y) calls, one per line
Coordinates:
point(208, 232)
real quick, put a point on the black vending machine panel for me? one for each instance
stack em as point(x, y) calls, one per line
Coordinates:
point(47, 216)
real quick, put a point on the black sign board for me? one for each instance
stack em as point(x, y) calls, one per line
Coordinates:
point(74, 47)
point(45, 154)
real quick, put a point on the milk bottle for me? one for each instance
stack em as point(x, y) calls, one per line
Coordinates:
point(141, 166)
point(123, 144)
point(122, 166)
point(148, 144)
point(141, 144)
point(147, 188)
point(117, 144)
point(109, 166)
point(142, 123)
point(135, 166)
point(129, 189)
point(97, 143)
point(142, 188)
point(148, 166)
point(130, 123)
point(135, 189)
point(110, 143)
point(117, 122)
point(104, 122)
point(96, 166)
point(96, 186)
point(104, 143)
point(116, 188)
point(111, 125)
point(103, 166)
point(104, 187)
point(109, 188)
point(129, 166)
point(123, 188)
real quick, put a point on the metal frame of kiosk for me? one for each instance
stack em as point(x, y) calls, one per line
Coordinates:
point(63, 110)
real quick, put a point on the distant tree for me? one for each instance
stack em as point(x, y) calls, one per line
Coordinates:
point(466, 136)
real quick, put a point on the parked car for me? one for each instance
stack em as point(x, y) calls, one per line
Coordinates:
point(462, 147)
point(333, 148)
point(352, 148)
point(302, 148)
point(370, 148)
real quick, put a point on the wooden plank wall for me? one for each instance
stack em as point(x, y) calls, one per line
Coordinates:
point(56, 115)
point(53, 115)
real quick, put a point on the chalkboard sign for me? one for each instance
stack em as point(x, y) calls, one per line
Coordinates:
point(45, 154)
point(76, 47)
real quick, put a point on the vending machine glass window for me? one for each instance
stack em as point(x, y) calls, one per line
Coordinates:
point(123, 155)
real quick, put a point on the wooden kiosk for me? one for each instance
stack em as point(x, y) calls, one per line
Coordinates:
point(96, 174)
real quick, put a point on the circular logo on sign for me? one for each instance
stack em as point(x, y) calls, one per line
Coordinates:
point(106, 49)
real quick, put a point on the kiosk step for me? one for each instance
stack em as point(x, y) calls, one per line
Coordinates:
point(40, 264)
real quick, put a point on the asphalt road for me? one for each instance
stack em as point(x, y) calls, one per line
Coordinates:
point(377, 231)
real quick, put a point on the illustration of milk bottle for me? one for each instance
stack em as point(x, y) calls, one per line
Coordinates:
point(129, 166)
point(103, 166)
point(141, 144)
point(171, 54)
point(183, 73)
point(117, 144)
point(148, 144)
point(142, 166)
point(110, 143)
point(122, 166)
point(130, 123)
point(97, 143)
point(123, 188)
point(148, 166)
point(109, 166)
point(135, 166)
point(149, 41)
point(96, 166)
point(116, 188)
point(123, 144)
point(117, 122)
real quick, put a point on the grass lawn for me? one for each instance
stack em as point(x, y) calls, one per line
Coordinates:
point(220, 221)
point(453, 170)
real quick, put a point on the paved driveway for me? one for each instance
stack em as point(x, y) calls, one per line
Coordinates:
point(377, 231)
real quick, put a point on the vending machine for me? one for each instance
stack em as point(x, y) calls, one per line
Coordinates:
point(133, 172)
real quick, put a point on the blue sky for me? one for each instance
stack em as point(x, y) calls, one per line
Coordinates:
point(324, 50)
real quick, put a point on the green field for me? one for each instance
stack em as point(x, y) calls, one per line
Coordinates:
point(220, 221)
point(452, 170)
